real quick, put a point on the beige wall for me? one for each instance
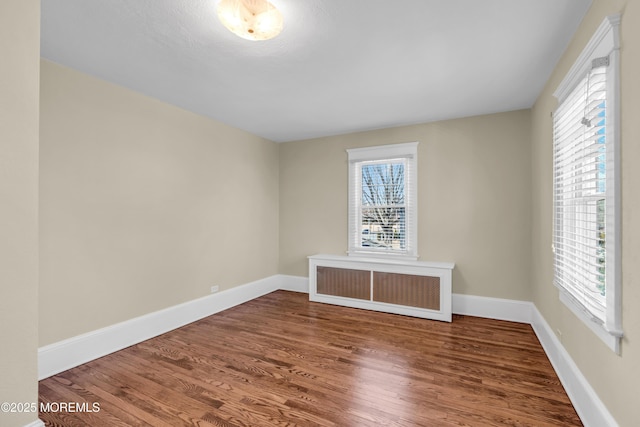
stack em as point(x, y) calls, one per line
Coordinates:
point(473, 191)
point(614, 378)
point(143, 205)
point(19, 55)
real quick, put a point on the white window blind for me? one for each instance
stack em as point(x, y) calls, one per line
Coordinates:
point(382, 200)
point(585, 198)
point(580, 193)
point(586, 186)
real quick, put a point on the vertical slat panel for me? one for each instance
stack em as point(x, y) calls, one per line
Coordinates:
point(407, 289)
point(344, 282)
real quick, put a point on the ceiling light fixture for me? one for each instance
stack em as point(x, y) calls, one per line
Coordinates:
point(250, 19)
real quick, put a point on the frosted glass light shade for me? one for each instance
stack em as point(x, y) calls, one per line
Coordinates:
point(250, 19)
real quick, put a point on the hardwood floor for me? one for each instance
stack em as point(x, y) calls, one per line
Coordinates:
point(280, 360)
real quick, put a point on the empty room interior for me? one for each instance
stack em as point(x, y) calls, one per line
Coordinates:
point(335, 213)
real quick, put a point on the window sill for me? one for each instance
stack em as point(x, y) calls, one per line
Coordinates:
point(610, 339)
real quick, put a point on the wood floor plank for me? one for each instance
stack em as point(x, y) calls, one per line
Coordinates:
point(280, 360)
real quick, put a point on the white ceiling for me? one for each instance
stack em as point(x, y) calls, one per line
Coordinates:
point(338, 66)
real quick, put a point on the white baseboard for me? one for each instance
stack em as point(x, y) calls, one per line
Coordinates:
point(588, 405)
point(294, 283)
point(492, 308)
point(75, 351)
point(36, 423)
point(66, 354)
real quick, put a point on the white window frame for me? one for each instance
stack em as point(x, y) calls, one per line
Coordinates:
point(408, 152)
point(604, 43)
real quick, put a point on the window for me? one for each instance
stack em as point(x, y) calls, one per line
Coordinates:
point(586, 223)
point(382, 200)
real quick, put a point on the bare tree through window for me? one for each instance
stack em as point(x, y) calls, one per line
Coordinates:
point(383, 205)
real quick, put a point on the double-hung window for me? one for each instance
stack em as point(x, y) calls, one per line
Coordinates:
point(383, 200)
point(586, 222)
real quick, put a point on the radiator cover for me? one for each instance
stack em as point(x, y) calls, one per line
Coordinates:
point(413, 288)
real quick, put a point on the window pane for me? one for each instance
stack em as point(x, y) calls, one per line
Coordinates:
point(383, 184)
point(383, 211)
point(600, 251)
point(383, 228)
